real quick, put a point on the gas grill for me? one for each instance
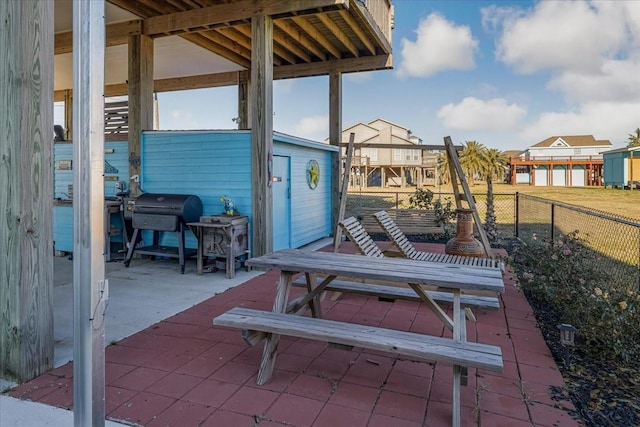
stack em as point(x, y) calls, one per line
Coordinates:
point(162, 213)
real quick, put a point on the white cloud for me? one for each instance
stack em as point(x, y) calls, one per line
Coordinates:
point(560, 35)
point(617, 81)
point(476, 114)
point(440, 45)
point(605, 120)
point(182, 119)
point(313, 127)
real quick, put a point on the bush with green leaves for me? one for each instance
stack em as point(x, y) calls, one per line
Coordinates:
point(565, 274)
point(424, 199)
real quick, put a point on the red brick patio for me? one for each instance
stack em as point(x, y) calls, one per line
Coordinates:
point(185, 372)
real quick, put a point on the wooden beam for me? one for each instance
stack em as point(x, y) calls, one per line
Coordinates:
point(292, 31)
point(364, 39)
point(339, 34)
point(229, 13)
point(245, 30)
point(140, 92)
point(316, 35)
point(26, 174)
point(230, 78)
point(335, 135)
point(262, 133)
point(380, 38)
point(116, 34)
point(208, 44)
point(347, 65)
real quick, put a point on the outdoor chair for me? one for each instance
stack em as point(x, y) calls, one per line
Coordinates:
point(408, 250)
point(354, 230)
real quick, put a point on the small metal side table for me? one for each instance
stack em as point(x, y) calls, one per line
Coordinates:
point(222, 236)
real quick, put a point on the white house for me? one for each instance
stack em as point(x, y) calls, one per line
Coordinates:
point(565, 161)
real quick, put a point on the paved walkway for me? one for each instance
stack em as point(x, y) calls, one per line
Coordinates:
point(183, 371)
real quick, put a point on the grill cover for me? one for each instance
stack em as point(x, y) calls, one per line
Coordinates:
point(187, 207)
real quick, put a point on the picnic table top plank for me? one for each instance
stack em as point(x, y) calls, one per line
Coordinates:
point(396, 270)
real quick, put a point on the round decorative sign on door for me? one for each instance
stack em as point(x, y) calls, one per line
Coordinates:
point(313, 174)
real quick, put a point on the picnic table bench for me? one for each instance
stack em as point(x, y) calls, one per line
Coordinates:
point(413, 274)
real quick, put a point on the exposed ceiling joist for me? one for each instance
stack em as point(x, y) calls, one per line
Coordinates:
point(292, 31)
point(347, 65)
point(115, 34)
point(230, 13)
point(339, 34)
point(206, 43)
point(317, 36)
point(356, 29)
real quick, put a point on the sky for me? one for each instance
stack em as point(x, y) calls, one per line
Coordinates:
point(507, 74)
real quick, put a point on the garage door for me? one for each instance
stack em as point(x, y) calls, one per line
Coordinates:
point(577, 177)
point(541, 177)
point(559, 176)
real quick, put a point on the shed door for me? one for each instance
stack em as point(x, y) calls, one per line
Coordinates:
point(281, 185)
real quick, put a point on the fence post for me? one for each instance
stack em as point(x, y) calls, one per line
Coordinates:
point(517, 212)
point(397, 197)
point(553, 216)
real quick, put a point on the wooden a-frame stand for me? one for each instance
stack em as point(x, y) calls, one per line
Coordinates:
point(456, 173)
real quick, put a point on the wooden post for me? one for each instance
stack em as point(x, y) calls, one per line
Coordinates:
point(26, 147)
point(140, 101)
point(262, 132)
point(243, 101)
point(68, 114)
point(335, 138)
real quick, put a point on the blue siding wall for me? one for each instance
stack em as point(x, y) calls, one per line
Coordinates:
point(210, 164)
point(614, 169)
point(206, 164)
point(63, 178)
point(310, 209)
point(63, 215)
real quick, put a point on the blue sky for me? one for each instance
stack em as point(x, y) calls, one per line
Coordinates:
point(507, 74)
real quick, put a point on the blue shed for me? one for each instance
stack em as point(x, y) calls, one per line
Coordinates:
point(621, 167)
point(216, 163)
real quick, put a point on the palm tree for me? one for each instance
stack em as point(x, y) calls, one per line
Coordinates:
point(494, 164)
point(634, 139)
point(442, 166)
point(471, 159)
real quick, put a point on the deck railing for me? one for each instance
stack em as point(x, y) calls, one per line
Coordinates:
point(382, 12)
point(568, 159)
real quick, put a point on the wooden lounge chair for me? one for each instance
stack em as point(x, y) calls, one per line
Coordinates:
point(398, 239)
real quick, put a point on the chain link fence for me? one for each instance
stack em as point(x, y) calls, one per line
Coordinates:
point(616, 239)
point(504, 205)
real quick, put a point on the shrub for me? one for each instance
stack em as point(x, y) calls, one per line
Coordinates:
point(423, 199)
point(565, 274)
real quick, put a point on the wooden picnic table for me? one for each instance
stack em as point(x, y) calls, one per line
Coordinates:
point(452, 278)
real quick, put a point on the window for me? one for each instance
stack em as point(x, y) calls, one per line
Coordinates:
point(397, 155)
point(577, 151)
point(407, 155)
point(373, 154)
point(416, 154)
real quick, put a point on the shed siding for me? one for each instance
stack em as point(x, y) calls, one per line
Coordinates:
point(206, 164)
point(310, 209)
point(63, 178)
point(615, 169)
point(63, 215)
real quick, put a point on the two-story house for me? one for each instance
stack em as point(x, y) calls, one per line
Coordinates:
point(564, 161)
point(386, 155)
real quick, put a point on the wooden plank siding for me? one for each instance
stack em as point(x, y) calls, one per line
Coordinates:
point(63, 214)
point(211, 164)
point(310, 209)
